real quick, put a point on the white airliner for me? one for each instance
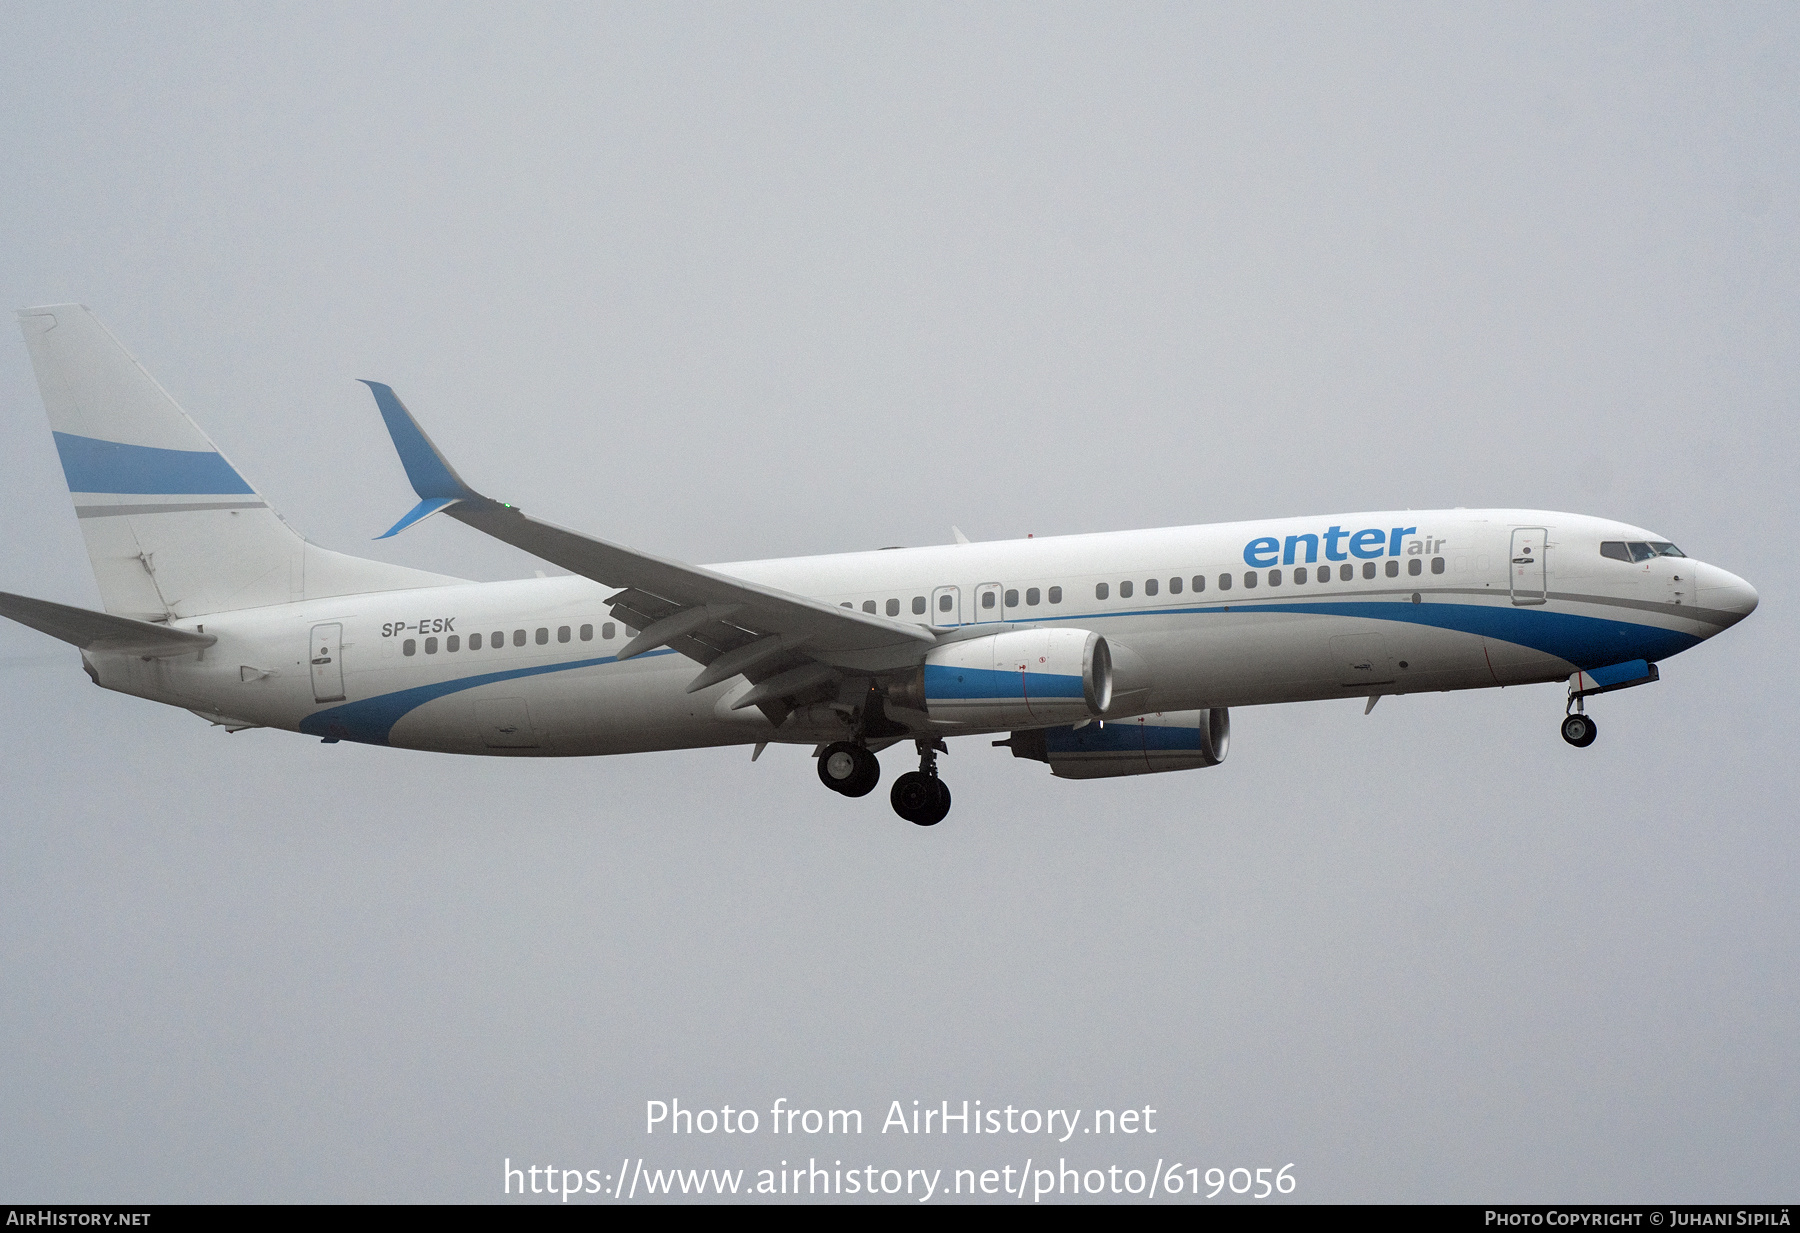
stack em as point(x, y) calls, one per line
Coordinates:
point(1117, 653)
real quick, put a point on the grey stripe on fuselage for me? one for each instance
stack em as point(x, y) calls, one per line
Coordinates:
point(114, 511)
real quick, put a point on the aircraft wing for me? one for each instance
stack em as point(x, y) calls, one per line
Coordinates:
point(101, 631)
point(789, 646)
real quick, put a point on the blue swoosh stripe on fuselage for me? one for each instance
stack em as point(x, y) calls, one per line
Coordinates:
point(1585, 641)
point(371, 720)
point(92, 465)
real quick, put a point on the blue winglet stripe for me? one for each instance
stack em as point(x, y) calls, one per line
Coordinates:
point(431, 476)
point(93, 465)
point(423, 509)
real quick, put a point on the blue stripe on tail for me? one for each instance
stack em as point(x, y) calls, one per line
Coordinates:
point(92, 465)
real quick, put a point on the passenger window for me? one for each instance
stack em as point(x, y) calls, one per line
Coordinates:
point(869, 606)
point(847, 604)
point(606, 631)
point(431, 646)
point(409, 647)
point(1012, 599)
point(1032, 596)
point(1299, 575)
point(498, 640)
point(943, 603)
point(1437, 565)
point(453, 642)
point(1393, 568)
point(893, 607)
point(562, 633)
point(1368, 569)
point(518, 637)
point(1199, 583)
point(987, 599)
point(474, 642)
point(918, 605)
point(1174, 586)
point(1274, 577)
point(1250, 580)
point(1415, 567)
point(1124, 590)
point(1101, 591)
point(543, 636)
point(1615, 550)
point(1347, 572)
point(587, 633)
point(1150, 586)
point(1224, 582)
point(1055, 595)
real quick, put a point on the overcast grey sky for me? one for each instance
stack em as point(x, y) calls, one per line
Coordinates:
point(738, 281)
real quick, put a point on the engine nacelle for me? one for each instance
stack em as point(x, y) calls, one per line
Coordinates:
point(1028, 676)
point(1142, 745)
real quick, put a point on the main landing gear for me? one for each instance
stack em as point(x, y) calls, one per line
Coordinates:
point(849, 768)
point(918, 796)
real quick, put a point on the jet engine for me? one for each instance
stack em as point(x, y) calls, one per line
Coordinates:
point(1142, 745)
point(1027, 676)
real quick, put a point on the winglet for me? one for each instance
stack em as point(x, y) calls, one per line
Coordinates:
point(419, 512)
point(432, 476)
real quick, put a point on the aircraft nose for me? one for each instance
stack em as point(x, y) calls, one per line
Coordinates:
point(1727, 593)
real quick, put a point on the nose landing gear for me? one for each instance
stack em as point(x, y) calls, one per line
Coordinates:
point(1578, 730)
point(920, 796)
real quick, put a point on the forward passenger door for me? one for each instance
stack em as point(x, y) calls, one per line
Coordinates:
point(1527, 568)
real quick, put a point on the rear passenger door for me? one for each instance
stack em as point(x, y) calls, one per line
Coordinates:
point(327, 661)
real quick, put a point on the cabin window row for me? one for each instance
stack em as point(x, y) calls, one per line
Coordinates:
point(1301, 575)
point(520, 637)
point(946, 603)
point(1033, 596)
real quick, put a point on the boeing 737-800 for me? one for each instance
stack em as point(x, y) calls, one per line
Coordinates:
point(1117, 653)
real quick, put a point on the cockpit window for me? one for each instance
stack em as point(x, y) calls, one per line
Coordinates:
point(1638, 550)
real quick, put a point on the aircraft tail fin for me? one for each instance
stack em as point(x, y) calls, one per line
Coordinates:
point(172, 527)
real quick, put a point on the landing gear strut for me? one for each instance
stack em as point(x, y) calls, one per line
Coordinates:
point(1577, 728)
point(848, 768)
point(920, 796)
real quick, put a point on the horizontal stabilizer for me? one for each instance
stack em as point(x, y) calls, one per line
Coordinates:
point(100, 631)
